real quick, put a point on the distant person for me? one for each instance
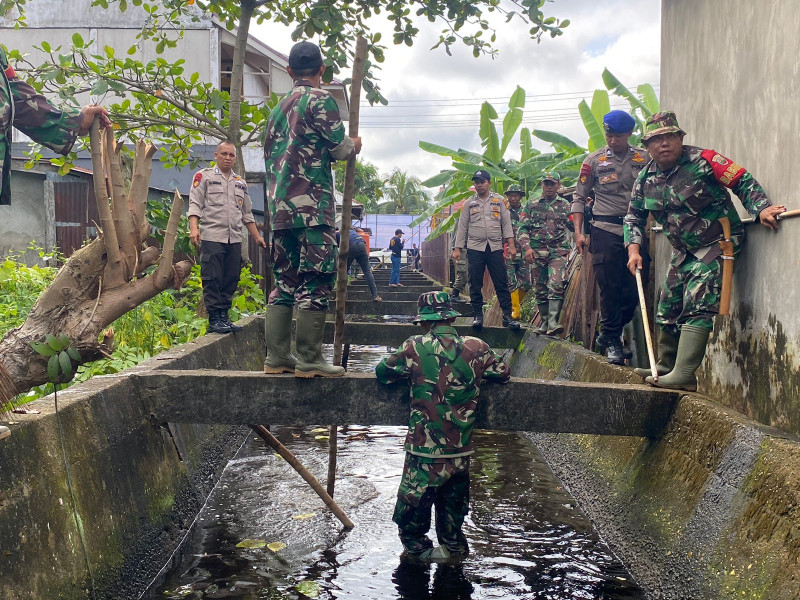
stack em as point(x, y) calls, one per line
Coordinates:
point(607, 175)
point(358, 252)
point(518, 271)
point(305, 134)
point(445, 371)
point(544, 237)
point(396, 247)
point(483, 228)
point(693, 285)
point(220, 204)
point(414, 257)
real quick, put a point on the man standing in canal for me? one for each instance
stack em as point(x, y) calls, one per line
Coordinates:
point(544, 237)
point(305, 134)
point(220, 205)
point(445, 371)
point(484, 226)
point(607, 175)
point(685, 188)
point(518, 271)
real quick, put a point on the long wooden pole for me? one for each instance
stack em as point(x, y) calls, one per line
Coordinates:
point(273, 443)
point(646, 322)
point(344, 238)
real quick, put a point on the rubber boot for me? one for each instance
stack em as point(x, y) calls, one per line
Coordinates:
point(515, 313)
point(278, 331)
point(691, 350)
point(510, 322)
point(4, 432)
point(553, 313)
point(308, 341)
point(544, 307)
point(477, 321)
point(667, 349)
point(216, 322)
point(434, 554)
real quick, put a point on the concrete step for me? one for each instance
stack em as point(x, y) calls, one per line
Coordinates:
point(394, 307)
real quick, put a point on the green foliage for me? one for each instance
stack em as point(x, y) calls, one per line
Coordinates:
point(164, 321)
point(157, 213)
point(532, 164)
point(403, 194)
point(368, 183)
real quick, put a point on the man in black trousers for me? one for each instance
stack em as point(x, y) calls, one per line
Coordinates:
point(483, 227)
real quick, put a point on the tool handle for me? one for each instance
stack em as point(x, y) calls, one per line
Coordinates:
point(789, 214)
point(646, 322)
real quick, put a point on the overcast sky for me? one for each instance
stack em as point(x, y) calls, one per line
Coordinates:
point(436, 97)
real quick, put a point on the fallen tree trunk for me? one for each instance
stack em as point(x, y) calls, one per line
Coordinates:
point(100, 282)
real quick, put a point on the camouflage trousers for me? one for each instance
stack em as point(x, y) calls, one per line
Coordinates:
point(519, 275)
point(461, 282)
point(304, 264)
point(548, 273)
point(440, 483)
point(690, 295)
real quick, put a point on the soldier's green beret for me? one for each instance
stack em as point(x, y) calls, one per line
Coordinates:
point(435, 306)
point(660, 123)
point(514, 188)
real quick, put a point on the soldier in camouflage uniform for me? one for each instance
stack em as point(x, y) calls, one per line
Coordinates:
point(304, 135)
point(445, 371)
point(544, 237)
point(519, 272)
point(684, 188)
point(30, 112)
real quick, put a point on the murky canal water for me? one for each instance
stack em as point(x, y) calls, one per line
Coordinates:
point(528, 539)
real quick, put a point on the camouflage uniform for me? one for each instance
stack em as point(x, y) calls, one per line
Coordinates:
point(22, 107)
point(445, 372)
point(519, 272)
point(687, 201)
point(543, 229)
point(304, 135)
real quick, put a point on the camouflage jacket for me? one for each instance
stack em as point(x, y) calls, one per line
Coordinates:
point(543, 223)
point(30, 112)
point(445, 372)
point(688, 200)
point(516, 214)
point(304, 136)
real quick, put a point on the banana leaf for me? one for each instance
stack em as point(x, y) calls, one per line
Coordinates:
point(615, 85)
point(597, 138)
point(472, 157)
point(438, 179)
point(437, 149)
point(570, 161)
point(526, 145)
point(556, 139)
point(513, 118)
point(649, 97)
point(601, 105)
point(495, 172)
point(488, 132)
point(444, 199)
point(445, 226)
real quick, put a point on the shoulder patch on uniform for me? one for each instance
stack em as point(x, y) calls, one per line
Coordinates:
point(198, 177)
point(586, 169)
point(10, 73)
point(725, 170)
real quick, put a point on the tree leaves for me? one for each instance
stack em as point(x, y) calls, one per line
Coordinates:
point(61, 355)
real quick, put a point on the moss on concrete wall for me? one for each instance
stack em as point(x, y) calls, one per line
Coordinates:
point(709, 510)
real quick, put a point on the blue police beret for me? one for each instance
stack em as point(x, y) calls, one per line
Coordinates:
point(618, 121)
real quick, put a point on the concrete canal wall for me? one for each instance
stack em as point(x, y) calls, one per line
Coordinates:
point(709, 510)
point(137, 484)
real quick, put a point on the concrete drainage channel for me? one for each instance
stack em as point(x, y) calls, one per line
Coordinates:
point(708, 510)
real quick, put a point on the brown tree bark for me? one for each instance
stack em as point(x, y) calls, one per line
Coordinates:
point(100, 282)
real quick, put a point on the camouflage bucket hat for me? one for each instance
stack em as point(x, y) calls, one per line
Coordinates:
point(514, 188)
point(435, 306)
point(660, 123)
point(552, 176)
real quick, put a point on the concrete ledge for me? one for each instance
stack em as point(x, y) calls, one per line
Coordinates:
point(710, 510)
point(520, 405)
point(388, 307)
point(394, 334)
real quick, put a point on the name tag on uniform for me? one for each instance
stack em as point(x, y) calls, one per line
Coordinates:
point(214, 183)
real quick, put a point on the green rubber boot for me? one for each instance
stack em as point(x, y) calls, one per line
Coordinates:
point(278, 331)
point(544, 307)
point(691, 350)
point(308, 341)
point(667, 349)
point(553, 313)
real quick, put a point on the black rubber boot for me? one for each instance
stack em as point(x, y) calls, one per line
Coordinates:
point(543, 309)
point(614, 355)
point(510, 322)
point(477, 322)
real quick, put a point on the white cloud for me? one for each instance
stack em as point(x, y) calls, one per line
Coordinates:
point(616, 34)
